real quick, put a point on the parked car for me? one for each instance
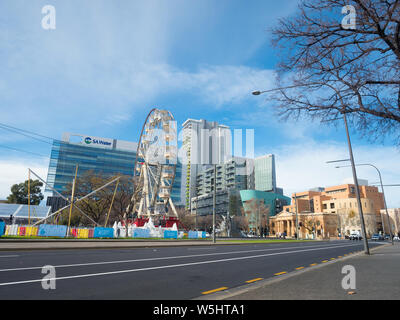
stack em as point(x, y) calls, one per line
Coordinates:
point(355, 235)
point(396, 238)
point(376, 237)
point(387, 237)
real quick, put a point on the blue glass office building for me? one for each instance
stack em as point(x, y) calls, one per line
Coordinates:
point(101, 155)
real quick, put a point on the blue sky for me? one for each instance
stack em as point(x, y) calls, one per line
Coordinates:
point(109, 62)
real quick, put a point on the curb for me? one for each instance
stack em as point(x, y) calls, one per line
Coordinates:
point(263, 283)
point(130, 244)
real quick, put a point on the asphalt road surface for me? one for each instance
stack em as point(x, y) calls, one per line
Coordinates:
point(166, 273)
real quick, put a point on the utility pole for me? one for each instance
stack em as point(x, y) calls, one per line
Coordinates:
point(195, 217)
point(297, 217)
point(384, 201)
point(214, 202)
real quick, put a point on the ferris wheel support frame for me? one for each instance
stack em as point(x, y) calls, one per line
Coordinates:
point(163, 180)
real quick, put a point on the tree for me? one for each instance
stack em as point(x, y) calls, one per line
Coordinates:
point(19, 193)
point(186, 219)
point(257, 213)
point(328, 68)
point(310, 224)
point(241, 222)
point(97, 206)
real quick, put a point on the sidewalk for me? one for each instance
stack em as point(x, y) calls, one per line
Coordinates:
point(377, 278)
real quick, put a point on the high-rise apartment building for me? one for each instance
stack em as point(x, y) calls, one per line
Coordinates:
point(203, 143)
point(230, 178)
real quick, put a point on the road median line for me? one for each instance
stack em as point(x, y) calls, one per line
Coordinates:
point(254, 280)
point(214, 290)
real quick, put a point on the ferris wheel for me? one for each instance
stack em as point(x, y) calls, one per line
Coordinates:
point(155, 166)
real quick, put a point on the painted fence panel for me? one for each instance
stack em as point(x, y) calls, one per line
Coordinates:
point(169, 234)
point(2, 228)
point(103, 233)
point(48, 230)
point(193, 234)
point(141, 233)
point(31, 231)
point(12, 230)
point(83, 233)
point(21, 231)
point(74, 232)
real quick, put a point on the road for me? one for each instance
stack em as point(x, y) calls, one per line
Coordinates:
point(166, 273)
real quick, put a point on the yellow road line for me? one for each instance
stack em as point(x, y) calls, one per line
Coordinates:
point(299, 268)
point(325, 261)
point(254, 280)
point(340, 257)
point(215, 290)
point(313, 264)
point(332, 258)
point(280, 273)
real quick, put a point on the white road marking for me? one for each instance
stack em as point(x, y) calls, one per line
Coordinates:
point(10, 256)
point(161, 258)
point(167, 266)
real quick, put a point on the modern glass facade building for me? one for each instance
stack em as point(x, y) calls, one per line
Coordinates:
point(101, 155)
point(264, 173)
point(273, 201)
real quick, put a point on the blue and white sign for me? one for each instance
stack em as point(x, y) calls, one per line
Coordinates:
point(50, 230)
point(141, 233)
point(103, 232)
point(193, 234)
point(97, 142)
point(2, 228)
point(169, 234)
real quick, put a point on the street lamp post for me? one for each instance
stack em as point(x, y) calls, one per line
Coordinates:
point(343, 112)
point(384, 198)
point(214, 202)
point(297, 217)
point(353, 168)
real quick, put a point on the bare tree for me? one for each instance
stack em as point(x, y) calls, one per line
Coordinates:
point(98, 205)
point(241, 223)
point(257, 213)
point(310, 224)
point(186, 219)
point(326, 69)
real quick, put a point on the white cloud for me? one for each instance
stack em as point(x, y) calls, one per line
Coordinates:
point(303, 166)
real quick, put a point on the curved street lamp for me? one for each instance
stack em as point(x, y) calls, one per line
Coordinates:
point(343, 112)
